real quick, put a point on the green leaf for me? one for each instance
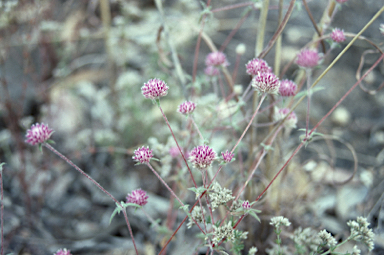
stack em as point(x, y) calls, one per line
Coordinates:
point(252, 213)
point(198, 191)
point(304, 92)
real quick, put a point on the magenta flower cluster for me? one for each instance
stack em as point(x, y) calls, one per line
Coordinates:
point(227, 156)
point(266, 83)
point(246, 205)
point(202, 157)
point(308, 58)
point(216, 58)
point(38, 133)
point(63, 252)
point(287, 88)
point(186, 107)
point(138, 197)
point(256, 66)
point(154, 89)
point(337, 35)
point(143, 155)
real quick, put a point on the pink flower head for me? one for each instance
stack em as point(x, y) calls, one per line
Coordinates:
point(63, 252)
point(138, 197)
point(143, 155)
point(337, 35)
point(38, 133)
point(341, 1)
point(227, 156)
point(291, 121)
point(216, 58)
point(174, 152)
point(308, 58)
point(154, 89)
point(202, 157)
point(287, 88)
point(211, 71)
point(266, 83)
point(246, 205)
point(256, 66)
point(186, 108)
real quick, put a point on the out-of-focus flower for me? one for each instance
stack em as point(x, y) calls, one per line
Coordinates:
point(256, 66)
point(211, 71)
point(266, 83)
point(291, 120)
point(186, 108)
point(174, 152)
point(202, 157)
point(38, 133)
point(138, 197)
point(63, 252)
point(341, 1)
point(337, 35)
point(287, 88)
point(154, 89)
point(279, 221)
point(308, 58)
point(143, 155)
point(216, 59)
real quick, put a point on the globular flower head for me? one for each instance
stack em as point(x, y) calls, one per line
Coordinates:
point(143, 155)
point(63, 252)
point(266, 83)
point(202, 157)
point(361, 232)
point(290, 121)
point(327, 239)
point(308, 58)
point(186, 108)
point(337, 35)
point(154, 89)
point(256, 66)
point(227, 156)
point(287, 88)
point(216, 58)
point(246, 205)
point(211, 71)
point(138, 197)
point(38, 133)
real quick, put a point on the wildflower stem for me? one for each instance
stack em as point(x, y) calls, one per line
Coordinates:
point(308, 72)
point(250, 122)
point(197, 128)
point(178, 146)
point(49, 147)
point(2, 209)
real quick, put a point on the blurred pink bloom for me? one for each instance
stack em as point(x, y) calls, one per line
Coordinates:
point(143, 155)
point(216, 59)
point(287, 88)
point(227, 156)
point(341, 1)
point(211, 71)
point(256, 66)
point(63, 252)
point(266, 83)
point(186, 107)
point(154, 89)
point(202, 157)
point(138, 197)
point(308, 58)
point(38, 133)
point(174, 152)
point(337, 35)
